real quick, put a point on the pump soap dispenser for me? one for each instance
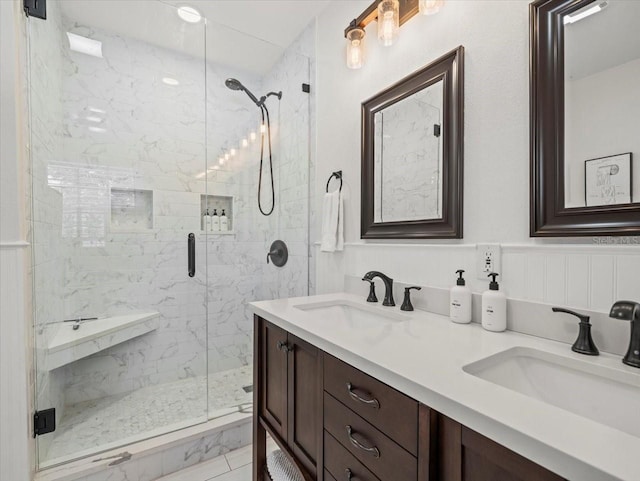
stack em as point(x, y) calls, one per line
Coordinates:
point(494, 307)
point(460, 301)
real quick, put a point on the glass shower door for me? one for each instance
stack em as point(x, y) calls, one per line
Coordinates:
point(118, 145)
point(241, 70)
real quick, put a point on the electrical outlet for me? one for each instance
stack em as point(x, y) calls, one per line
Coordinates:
point(488, 260)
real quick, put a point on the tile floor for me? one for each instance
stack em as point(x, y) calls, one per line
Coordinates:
point(119, 420)
point(233, 466)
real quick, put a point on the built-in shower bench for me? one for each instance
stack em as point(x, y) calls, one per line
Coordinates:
point(69, 345)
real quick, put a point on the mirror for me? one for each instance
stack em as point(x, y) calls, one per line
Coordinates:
point(585, 102)
point(412, 155)
point(408, 157)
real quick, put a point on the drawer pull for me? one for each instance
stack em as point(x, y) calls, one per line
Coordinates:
point(283, 346)
point(373, 402)
point(349, 474)
point(373, 451)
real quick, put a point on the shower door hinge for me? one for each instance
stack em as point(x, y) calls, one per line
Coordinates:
point(306, 88)
point(44, 422)
point(436, 130)
point(36, 8)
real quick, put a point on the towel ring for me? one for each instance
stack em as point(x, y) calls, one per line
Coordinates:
point(337, 175)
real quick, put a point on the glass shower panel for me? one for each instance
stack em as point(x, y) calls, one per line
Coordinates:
point(118, 145)
point(241, 70)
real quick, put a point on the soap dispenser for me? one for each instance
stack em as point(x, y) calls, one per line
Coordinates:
point(224, 222)
point(460, 301)
point(494, 307)
point(215, 221)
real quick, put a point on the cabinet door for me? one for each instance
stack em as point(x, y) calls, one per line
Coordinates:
point(466, 455)
point(305, 403)
point(273, 377)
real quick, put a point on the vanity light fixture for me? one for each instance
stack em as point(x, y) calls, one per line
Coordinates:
point(430, 7)
point(388, 22)
point(355, 47)
point(390, 15)
point(189, 14)
point(584, 13)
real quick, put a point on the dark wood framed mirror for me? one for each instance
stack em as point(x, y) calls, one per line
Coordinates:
point(412, 155)
point(585, 113)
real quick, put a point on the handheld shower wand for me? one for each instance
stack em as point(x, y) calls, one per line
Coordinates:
point(235, 84)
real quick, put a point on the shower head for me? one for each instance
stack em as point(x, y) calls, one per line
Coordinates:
point(235, 84)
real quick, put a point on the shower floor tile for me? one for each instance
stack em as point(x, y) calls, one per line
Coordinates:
point(93, 426)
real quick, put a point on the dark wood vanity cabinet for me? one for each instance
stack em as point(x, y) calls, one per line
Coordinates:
point(287, 398)
point(465, 455)
point(337, 423)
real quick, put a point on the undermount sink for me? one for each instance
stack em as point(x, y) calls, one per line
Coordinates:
point(352, 314)
point(602, 394)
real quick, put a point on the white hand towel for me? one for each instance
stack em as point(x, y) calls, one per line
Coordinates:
point(332, 222)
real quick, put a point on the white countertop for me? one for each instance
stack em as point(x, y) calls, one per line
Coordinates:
point(424, 356)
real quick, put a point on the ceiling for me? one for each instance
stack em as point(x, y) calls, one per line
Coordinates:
point(603, 40)
point(249, 35)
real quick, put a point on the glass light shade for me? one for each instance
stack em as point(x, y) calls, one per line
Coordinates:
point(430, 7)
point(388, 21)
point(355, 48)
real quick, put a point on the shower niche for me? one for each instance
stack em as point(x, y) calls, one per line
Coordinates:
point(216, 204)
point(131, 210)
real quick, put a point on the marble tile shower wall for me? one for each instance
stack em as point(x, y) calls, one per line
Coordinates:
point(238, 272)
point(47, 244)
point(125, 129)
point(288, 75)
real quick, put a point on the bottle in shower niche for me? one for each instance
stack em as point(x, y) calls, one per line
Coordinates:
point(494, 307)
point(460, 301)
point(215, 221)
point(206, 221)
point(224, 222)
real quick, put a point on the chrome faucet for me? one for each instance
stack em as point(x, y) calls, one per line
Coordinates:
point(629, 311)
point(388, 286)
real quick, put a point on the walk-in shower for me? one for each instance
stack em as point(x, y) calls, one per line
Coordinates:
point(135, 143)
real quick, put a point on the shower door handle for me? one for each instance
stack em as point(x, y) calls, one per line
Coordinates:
point(191, 249)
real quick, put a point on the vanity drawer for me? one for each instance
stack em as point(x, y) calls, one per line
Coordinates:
point(339, 462)
point(385, 458)
point(394, 413)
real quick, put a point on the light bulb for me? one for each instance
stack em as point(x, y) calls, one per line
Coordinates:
point(388, 21)
point(252, 136)
point(245, 142)
point(430, 7)
point(355, 48)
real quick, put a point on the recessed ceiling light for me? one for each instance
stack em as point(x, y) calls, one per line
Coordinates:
point(85, 45)
point(170, 81)
point(189, 14)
